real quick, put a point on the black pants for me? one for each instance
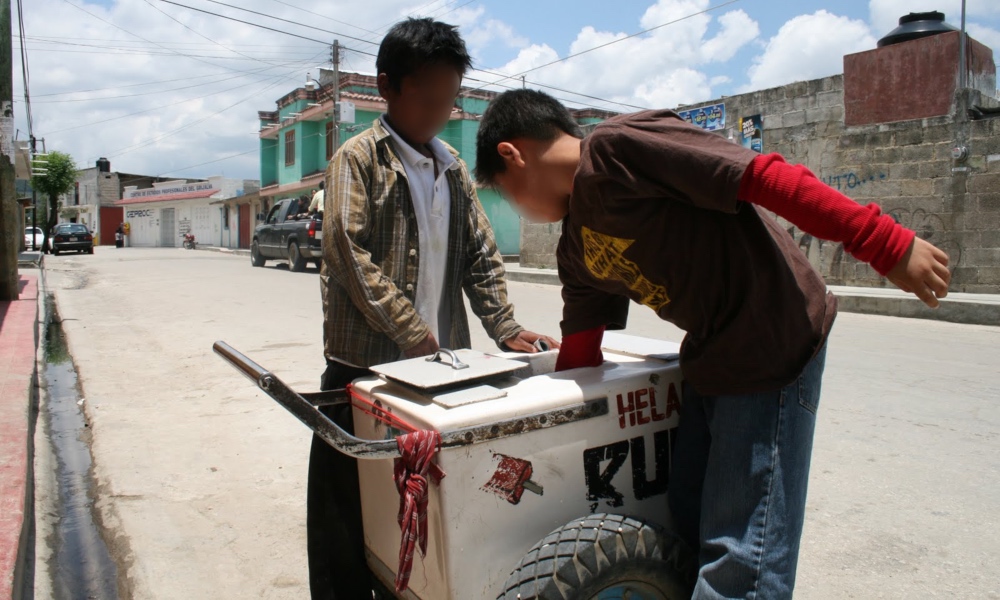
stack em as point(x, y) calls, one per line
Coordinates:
point(335, 537)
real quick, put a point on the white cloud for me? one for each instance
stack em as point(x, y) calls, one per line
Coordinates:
point(212, 94)
point(480, 33)
point(808, 47)
point(662, 68)
point(986, 35)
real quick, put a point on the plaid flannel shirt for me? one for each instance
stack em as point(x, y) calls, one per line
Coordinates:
point(370, 273)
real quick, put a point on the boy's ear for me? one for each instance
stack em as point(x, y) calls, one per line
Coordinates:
point(510, 154)
point(383, 85)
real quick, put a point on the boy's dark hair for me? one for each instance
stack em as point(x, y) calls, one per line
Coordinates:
point(518, 114)
point(322, 184)
point(416, 43)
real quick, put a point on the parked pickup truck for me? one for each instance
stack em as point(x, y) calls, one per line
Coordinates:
point(283, 236)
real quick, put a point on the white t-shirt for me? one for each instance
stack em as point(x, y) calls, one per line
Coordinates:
point(317, 201)
point(432, 206)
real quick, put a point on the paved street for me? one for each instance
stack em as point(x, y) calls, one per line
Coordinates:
point(201, 479)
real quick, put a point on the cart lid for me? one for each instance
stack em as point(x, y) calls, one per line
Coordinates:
point(641, 346)
point(447, 368)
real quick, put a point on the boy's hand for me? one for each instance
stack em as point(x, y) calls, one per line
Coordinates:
point(525, 342)
point(425, 348)
point(923, 271)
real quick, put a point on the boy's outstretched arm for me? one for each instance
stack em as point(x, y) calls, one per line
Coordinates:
point(794, 193)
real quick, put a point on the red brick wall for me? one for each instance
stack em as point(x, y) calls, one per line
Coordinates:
point(912, 80)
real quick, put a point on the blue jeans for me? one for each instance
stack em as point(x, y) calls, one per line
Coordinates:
point(738, 485)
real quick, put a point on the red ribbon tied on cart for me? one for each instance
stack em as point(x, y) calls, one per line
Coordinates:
point(410, 472)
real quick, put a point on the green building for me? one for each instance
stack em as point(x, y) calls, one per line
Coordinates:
point(297, 141)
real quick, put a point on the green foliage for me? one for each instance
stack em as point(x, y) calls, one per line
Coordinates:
point(60, 177)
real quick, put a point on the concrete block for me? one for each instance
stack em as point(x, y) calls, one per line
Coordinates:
point(990, 239)
point(937, 168)
point(817, 115)
point(909, 137)
point(984, 183)
point(988, 202)
point(937, 134)
point(800, 102)
point(837, 114)
point(982, 221)
point(916, 154)
point(882, 154)
point(917, 187)
point(793, 119)
point(900, 171)
point(981, 257)
point(830, 99)
point(989, 275)
point(878, 139)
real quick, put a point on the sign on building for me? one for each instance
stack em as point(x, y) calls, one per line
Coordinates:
point(709, 118)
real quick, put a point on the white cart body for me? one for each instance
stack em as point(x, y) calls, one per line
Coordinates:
point(589, 440)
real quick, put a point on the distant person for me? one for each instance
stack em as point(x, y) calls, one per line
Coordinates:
point(316, 206)
point(120, 236)
point(398, 252)
point(303, 207)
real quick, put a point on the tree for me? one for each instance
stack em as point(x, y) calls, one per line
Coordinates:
point(59, 179)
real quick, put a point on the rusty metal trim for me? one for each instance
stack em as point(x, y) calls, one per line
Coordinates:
point(553, 418)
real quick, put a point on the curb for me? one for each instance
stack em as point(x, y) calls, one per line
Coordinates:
point(18, 389)
point(969, 309)
point(233, 251)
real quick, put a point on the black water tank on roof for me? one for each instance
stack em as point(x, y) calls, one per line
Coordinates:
point(103, 165)
point(915, 26)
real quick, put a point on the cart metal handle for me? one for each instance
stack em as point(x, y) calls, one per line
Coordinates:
point(455, 362)
point(306, 411)
point(305, 408)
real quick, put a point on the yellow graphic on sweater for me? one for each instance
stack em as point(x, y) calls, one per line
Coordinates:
point(603, 255)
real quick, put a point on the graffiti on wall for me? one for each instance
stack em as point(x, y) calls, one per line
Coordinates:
point(832, 262)
point(930, 227)
point(852, 180)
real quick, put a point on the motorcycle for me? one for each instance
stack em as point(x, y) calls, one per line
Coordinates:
point(189, 241)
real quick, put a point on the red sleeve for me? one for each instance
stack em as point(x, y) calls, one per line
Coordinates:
point(794, 193)
point(582, 349)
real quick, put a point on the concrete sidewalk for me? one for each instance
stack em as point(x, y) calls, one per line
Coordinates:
point(973, 309)
point(18, 341)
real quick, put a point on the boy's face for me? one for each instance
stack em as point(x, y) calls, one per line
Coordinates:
point(421, 107)
point(536, 181)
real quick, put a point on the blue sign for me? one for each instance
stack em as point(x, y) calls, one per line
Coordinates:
point(752, 133)
point(710, 118)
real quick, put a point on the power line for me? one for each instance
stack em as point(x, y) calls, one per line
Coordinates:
point(154, 7)
point(139, 36)
point(208, 12)
point(177, 89)
point(25, 72)
point(326, 17)
point(615, 41)
point(117, 87)
point(57, 39)
point(140, 112)
point(188, 125)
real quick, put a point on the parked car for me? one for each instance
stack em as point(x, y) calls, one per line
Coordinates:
point(38, 235)
point(285, 234)
point(71, 236)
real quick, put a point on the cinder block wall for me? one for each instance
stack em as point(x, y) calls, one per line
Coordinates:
point(906, 167)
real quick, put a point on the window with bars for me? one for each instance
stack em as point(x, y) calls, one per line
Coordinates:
point(289, 148)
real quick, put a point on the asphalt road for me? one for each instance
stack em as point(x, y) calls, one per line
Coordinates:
point(201, 479)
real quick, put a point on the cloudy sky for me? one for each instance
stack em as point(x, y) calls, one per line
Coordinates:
point(163, 89)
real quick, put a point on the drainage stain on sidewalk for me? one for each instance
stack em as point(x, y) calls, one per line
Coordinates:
point(81, 565)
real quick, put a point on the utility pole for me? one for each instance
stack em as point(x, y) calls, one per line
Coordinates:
point(336, 95)
point(9, 235)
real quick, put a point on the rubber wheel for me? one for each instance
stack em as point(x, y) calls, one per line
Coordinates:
point(605, 557)
point(295, 260)
point(255, 257)
point(55, 252)
point(90, 250)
